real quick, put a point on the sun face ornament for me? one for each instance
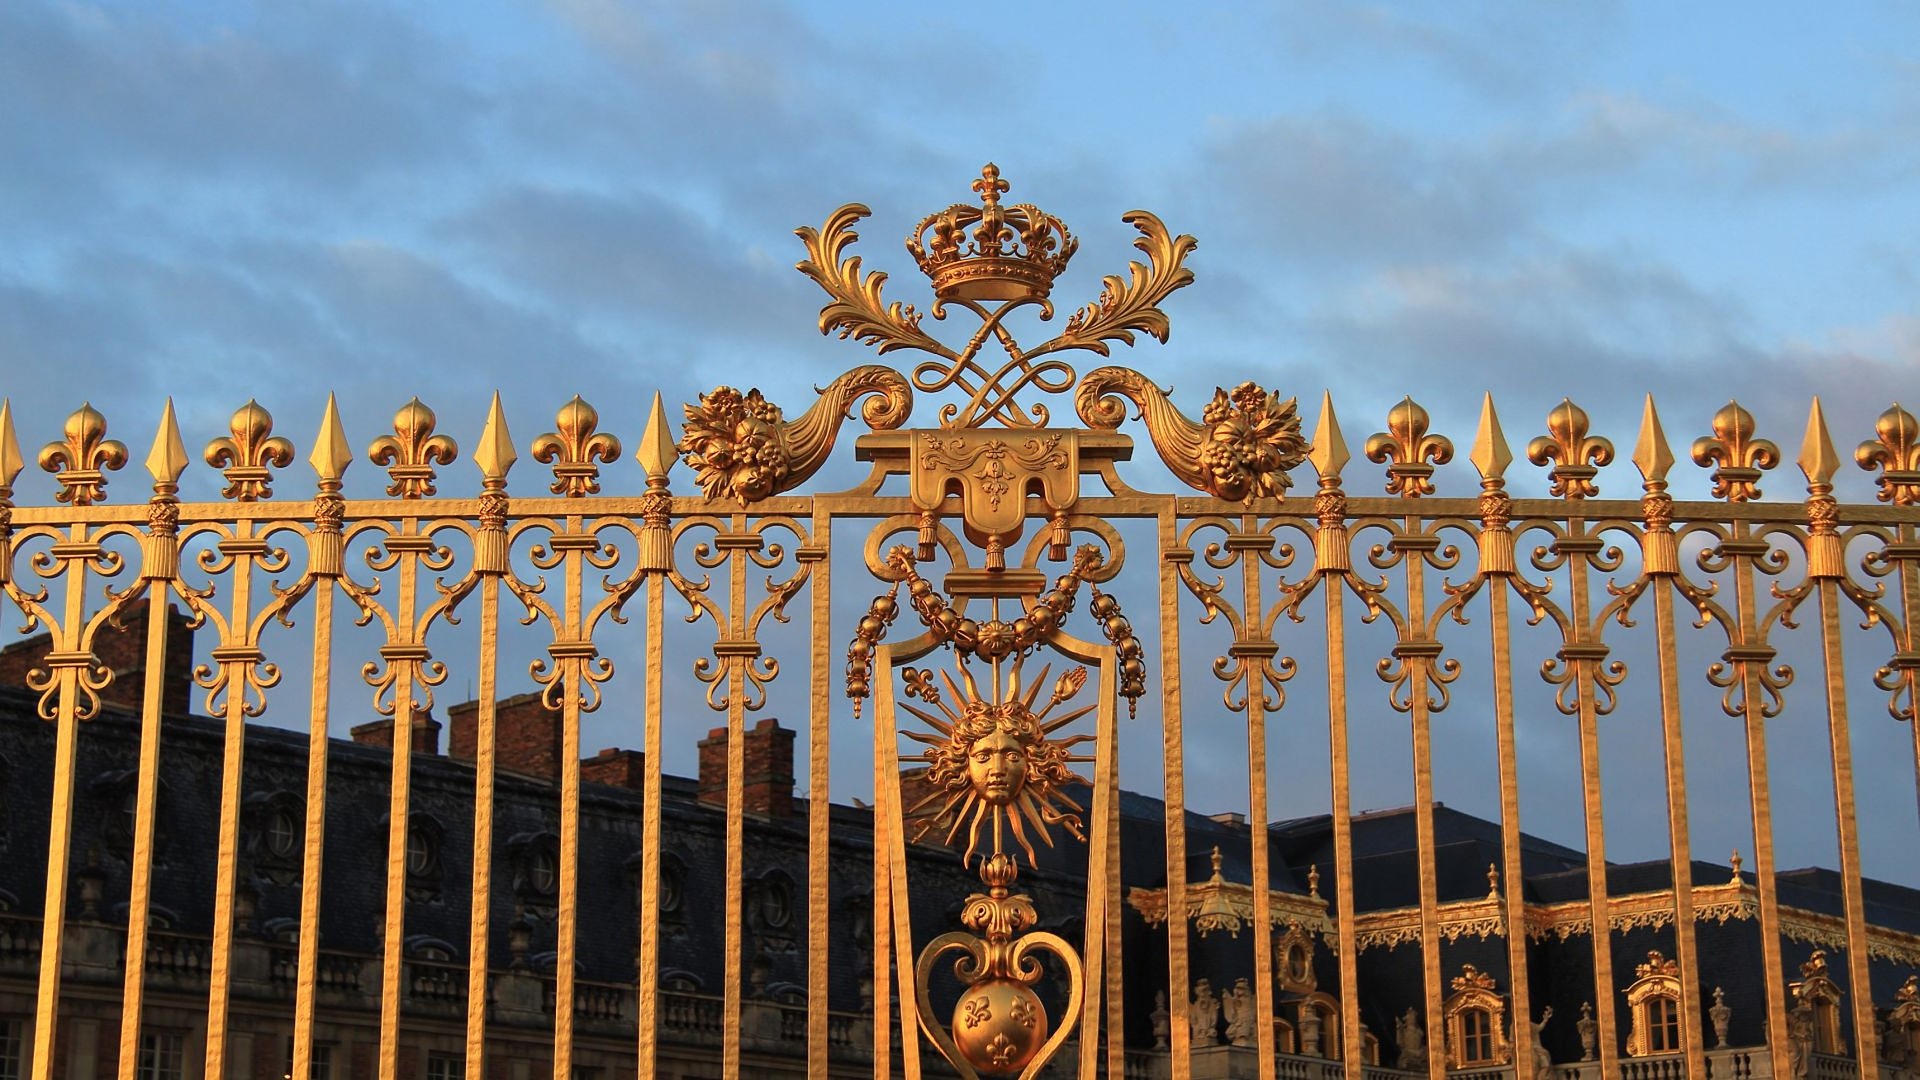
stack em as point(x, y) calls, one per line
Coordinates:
point(993, 763)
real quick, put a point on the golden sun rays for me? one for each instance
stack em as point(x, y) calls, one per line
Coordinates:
point(994, 767)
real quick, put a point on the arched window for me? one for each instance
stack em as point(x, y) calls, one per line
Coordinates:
point(1476, 1018)
point(1654, 1004)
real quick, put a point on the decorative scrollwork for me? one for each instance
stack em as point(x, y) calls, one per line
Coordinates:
point(1133, 304)
point(1243, 447)
point(741, 445)
point(857, 310)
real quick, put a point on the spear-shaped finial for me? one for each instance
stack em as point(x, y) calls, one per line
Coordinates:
point(1491, 454)
point(495, 454)
point(1328, 452)
point(168, 458)
point(331, 453)
point(657, 452)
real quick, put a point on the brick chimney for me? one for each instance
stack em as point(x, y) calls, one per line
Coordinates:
point(426, 734)
point(768, 781)
point(615, 768)
point(526, 735)
point(123, 649)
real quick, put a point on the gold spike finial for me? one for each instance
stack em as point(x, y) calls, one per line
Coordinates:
point(10, 460)
point(1651, 453)
point(1819, 460)
point(495, 453)
point(1329, 450)
point(657, 452)
point(331, 452)
point(168, 458)
point(1491, 454)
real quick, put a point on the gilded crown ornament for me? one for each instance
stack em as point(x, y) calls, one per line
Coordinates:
point(993, 259)
point(1014, 252)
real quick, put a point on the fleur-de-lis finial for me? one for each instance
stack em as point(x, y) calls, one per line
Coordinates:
point(1895, 452)
point(81, 460)
point(990, 186)
point(1575, 455)
point(1741, 457)
point(411, 452)
point(250, 454)
point(1408, 452)
point(573, 449)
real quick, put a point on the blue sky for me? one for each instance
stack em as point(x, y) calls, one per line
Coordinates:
point(218, 201)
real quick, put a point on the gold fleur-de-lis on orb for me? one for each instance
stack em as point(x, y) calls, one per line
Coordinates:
point(1741, 457)
point(1576, 457)
point(1895, 452)
point(411, 452)
point(573, 449)
point(80, 461)
point(1408, 452)
point(248, 457)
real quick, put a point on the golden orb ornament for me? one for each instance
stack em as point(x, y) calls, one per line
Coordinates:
point(999, 1026)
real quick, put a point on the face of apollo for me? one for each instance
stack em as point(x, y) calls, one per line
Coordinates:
point(997, 765)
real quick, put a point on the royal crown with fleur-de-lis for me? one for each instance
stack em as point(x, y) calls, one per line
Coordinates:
point(1014, 252)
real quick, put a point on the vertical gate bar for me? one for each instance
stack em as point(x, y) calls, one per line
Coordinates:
point(571, 672)
point(306, 980)
point(1512, 869)
point(227, 865)
point(1659, 570)
point(1679, 831)
point(66, 690)
point(1095, 967)
point(1826, 568)
point(882, 932)
point(1252, 605)
point(1577, 547)
point(1173, 760)
point(736, 806)
point(1347, 932)
point(1859, 976)
point(480, 922)
point(1116, 993)
point(1909, 639)
point(399, 800)
point(647, 992)
point(1753, 720)
point(140, 888)
point(819, 801)
point(891, 862)
point(1423, 781)
point(326, 549)
point(1333, 575)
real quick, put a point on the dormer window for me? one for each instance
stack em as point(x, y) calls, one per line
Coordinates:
point(1476, 1017)
point(1653, 1001)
